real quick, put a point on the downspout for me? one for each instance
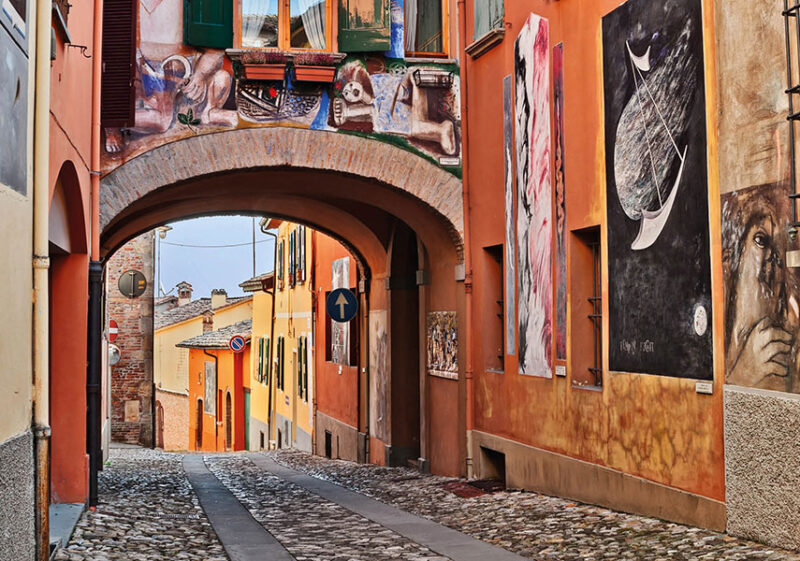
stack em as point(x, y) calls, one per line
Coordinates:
point(217, 405)
point(468, 374)
point(274, 236)
point(41, 265)
point(313, 377)
point(94, 361)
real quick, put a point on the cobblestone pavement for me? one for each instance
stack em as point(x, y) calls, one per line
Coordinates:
point(310, 527)
point(147, 511)
point(534, 525)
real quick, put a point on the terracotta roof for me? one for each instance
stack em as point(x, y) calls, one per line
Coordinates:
point(190, 310)
point(219, 339)
point(256, 283)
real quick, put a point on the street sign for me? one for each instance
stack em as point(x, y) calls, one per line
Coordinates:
point(342, 305)
point(132, 283)
point(114, 354)
point(237, 343)
point(113, 330)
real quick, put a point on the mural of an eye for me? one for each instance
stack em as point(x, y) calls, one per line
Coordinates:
point(761, 239)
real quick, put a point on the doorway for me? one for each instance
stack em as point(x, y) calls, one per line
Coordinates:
point(198, 436)
point(228, 422)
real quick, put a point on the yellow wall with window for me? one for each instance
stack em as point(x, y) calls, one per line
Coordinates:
point(170, 363)
point(293, 377)
point(260, 372)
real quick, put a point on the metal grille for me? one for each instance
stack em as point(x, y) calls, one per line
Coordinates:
point(596, 317)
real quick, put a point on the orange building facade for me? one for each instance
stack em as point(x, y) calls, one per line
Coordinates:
point(218, 380)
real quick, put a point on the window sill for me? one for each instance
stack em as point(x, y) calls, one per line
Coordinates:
point(598, 389)
point(485, 42)
point(429, 60)
point(236, 54)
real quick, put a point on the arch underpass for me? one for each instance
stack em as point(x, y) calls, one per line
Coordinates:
point(399, 215)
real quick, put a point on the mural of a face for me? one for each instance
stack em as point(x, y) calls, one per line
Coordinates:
point(761, 323)
point(353, 92)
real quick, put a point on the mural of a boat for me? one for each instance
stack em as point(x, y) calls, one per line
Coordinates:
point(653, 221)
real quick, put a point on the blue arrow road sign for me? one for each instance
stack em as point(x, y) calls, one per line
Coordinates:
point(342, 305)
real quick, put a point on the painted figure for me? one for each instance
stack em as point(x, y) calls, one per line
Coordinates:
point(761, 316)
point(175, 88)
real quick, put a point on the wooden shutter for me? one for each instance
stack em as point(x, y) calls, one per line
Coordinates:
point(208, 23)
point(260, 359)
point(364, 25)
point(119, 57)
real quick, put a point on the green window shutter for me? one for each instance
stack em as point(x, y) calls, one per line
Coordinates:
point(268, 369)
point(364, 25)
point(208, 23)
point(261, 359)
point(488, 15)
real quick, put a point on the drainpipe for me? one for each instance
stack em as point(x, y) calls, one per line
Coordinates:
point(462, 29)
point(94, 361)
point(41, 265)
point(263, 227)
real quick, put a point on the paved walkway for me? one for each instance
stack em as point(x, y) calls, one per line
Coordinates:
point(441, 539)
point(244, 539)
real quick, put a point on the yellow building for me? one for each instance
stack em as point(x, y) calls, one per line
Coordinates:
point(259, 397)
point(178, 318)
point(293, 344)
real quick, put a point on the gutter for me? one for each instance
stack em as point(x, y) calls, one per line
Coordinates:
point(468, 373)
point(41, 266)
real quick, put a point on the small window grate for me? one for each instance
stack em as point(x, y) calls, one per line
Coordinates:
point(596, 317)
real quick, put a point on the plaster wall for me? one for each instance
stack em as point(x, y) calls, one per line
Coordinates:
point(259, 391)
point(762, 475)
point(17, 497)
point(175, 430)
point(656, 428)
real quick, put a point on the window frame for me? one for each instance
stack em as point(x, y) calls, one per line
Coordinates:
point(445, 36)
point(284, 36)
point(492, 27)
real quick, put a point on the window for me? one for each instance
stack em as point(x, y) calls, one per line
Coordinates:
point(280, 264)
point(424, 27)
point(279, 374)
point(586, 308)
point(294, 24)
point(301, 260)
point(263, 360)
point(302, 368)
point(492, 308)
point(488, 16)
point(364, 25)
point(292, 257)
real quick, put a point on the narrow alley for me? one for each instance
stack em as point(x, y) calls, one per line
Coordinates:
point(164, 506)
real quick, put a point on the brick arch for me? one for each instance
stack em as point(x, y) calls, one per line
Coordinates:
point(386, 166)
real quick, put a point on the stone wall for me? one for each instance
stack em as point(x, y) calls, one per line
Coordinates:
point(17, 538)
point(762, 474)
point(132, 376)
point(172, 420)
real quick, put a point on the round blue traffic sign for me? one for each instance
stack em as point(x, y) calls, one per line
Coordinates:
point(342, 305)
point(236, 344)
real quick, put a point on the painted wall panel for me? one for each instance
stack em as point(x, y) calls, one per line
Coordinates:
point(659, 274)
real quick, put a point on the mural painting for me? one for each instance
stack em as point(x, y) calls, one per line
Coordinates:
point(443, 345)
point(561, 207)
point(13, 115)
point(379, 377)
point(181, 91)
point(511, 254)
point(762, 314)
point(210, 388)
point(534, 197)
point(657, 199)
point(340, 332)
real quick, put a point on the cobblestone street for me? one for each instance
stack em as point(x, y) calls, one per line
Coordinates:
point(148, 511)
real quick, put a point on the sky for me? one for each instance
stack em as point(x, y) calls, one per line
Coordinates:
point(213, 267)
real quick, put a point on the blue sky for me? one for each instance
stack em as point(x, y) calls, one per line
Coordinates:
point(219, 267)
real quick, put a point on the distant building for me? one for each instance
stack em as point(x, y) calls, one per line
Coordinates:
point(218, 383)
point(178, 319)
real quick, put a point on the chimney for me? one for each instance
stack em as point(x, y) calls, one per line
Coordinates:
point(184, 293)
point(219, 297)
point(208, 321)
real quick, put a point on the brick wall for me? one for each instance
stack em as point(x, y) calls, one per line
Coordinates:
point(132, 376)
point(172, 420)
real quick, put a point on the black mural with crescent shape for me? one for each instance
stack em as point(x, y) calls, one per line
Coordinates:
point(657, 192)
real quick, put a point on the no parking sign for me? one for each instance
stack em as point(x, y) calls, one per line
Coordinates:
point(236, 344)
